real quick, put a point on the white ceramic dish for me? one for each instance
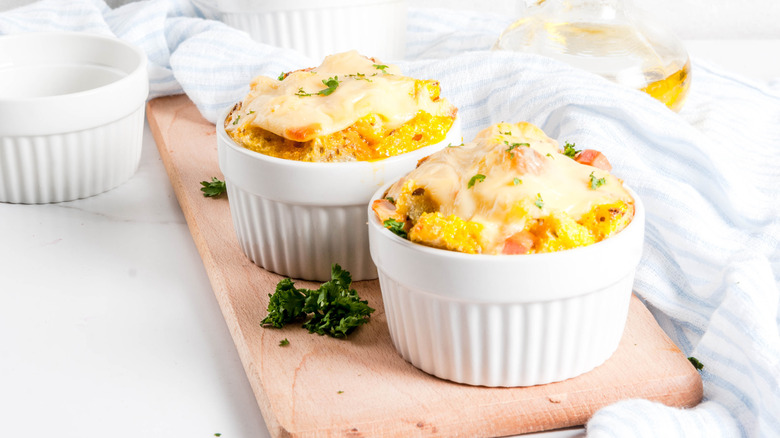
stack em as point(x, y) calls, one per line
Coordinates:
point(506, 320)
point(318, 28)
point(296, 218)
point(71, 115)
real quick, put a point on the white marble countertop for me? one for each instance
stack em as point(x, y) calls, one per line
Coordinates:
point(108, 323)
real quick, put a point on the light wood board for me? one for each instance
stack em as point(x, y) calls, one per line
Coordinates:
point(319, 386)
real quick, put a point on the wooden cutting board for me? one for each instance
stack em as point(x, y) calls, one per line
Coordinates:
point(319, 386)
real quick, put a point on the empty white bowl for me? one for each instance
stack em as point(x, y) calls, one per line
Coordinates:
point(71, 115)
point(320, 27)
point(506, 320)
point(297, 218)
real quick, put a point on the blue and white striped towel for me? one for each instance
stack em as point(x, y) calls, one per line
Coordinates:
point(709, 176)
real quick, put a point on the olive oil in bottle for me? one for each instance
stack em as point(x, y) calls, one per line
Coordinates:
point(603, 37)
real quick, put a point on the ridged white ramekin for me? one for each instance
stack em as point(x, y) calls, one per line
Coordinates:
point(506, 320)
point(71, 115)
point(319, 28)
point(297, 218)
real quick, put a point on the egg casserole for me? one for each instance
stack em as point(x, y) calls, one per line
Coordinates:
point(350, 108)
point(512, 190)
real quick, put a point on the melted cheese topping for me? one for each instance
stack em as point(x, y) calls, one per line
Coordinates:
point(291, 108)
point(514, 179)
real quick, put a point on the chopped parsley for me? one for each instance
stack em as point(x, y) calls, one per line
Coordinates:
point(596, 182)
point(505, 133)
point(334, 309)
point(332, 83)
point(539, 202)
point(550, 155)
point(282, 75)
point(235, 121)
point(475, 179)
point(213, 188)
point(696, 364)
point(390, 198)
point(217, 434)
point(517, 181)
point(569, 151)
point(380, 67)
point(339, 392)
point(359, 77)
point(454, 145)
point(395, 226)
point(284, 342)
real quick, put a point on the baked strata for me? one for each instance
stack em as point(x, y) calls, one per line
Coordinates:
point(512, 190)
point(350, 108)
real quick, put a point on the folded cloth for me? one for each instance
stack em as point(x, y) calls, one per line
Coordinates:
point(709, 176)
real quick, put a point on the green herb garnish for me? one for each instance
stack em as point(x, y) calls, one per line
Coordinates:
point(213, 188)
point(395, 226)
point(517, 181)
point(696, 364)
point(475, 179)
point(539, 203)
point(596, 182)
point(339, 392)
point(505, 133)
point(282, 75)
point(380, 67)
point(454, 145)
point(390, 198)
point(335, 309)
point(331, 83)
point(360, 77)
point(569, 151)
point(284, 342)
point(235, 121)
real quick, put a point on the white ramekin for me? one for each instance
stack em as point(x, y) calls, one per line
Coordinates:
point(71, 115)
point(506, 320)
point(319, 28)
point(296, 218)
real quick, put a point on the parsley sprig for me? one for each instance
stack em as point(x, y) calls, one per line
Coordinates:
point(395, 226)
point(696, 364)
point(596, 182)
point(213, 188)
point(569, 151)
point(335, 309)
point(332, 83)
point(539, 202)
point(475, 179)
point(381, 67)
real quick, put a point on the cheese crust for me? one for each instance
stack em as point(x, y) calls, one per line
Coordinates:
point(510, 191)
point(350, 108)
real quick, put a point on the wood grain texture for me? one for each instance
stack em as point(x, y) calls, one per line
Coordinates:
point(318, 386)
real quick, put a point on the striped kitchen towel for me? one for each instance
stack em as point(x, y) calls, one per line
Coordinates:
point(709, 176)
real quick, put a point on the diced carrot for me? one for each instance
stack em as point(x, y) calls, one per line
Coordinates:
point(593, 158)
point(518, 243)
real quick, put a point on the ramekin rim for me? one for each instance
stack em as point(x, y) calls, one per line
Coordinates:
point(140, 68)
